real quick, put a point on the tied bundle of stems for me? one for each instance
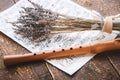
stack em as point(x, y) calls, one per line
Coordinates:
point(36, 23)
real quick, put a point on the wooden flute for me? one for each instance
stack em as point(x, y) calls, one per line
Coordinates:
point(96, 47)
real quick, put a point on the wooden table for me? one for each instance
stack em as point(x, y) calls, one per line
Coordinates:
point(105, 66)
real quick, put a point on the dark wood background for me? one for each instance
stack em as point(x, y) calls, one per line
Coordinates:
point(105, 66)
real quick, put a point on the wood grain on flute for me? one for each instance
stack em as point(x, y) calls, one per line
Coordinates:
point(96, 47)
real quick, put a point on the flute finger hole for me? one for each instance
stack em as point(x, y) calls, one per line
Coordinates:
point(53, 51)
point(71, 48)
point(43, 52)
point(34, 54)
point(63, 49)
point(80, 47)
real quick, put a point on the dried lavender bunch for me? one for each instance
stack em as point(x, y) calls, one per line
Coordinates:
point(36, 23)
point(27, 26)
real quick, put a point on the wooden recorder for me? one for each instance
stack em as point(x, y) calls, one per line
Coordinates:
point(96, 47)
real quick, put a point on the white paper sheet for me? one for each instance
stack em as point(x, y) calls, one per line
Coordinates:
point(69, 64)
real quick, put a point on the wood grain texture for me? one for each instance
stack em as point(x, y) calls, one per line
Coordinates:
point(98, 68)
point(105, 7)
point(114, 58)
point(4, 4)
point(28, 71)
point(101, 67)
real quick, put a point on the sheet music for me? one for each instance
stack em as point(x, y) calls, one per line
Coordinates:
point(68, 64)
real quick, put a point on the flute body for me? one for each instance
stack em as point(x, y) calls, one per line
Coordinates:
point(96, 47)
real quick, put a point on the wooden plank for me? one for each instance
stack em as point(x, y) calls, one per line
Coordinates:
point(105, 7)
point(28, 71)
point(98, 68)
point(114, 58)
point(4, 4)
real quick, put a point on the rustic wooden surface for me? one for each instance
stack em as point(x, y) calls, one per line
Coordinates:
point(104, 66)
point(105, 7)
